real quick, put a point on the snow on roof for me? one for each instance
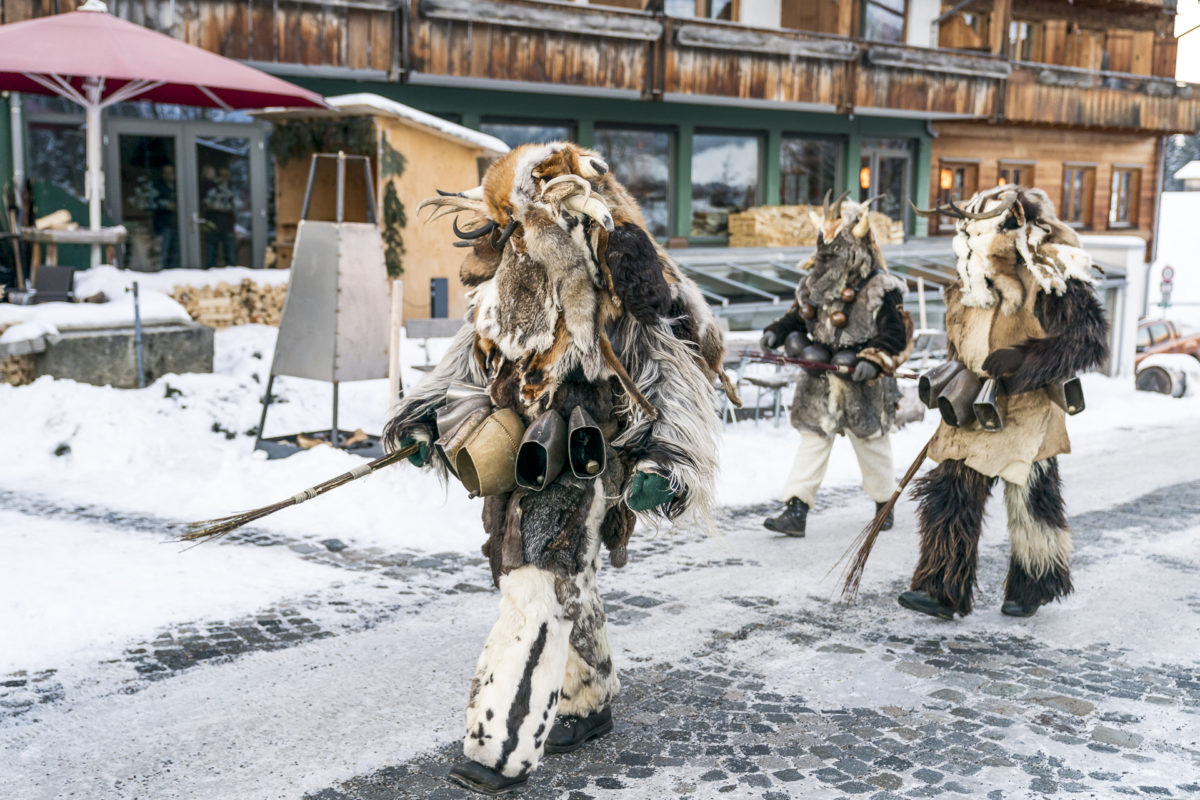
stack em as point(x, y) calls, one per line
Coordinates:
point(1189, 171)
point(367, 103)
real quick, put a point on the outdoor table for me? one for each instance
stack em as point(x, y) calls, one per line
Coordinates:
point(109, 237)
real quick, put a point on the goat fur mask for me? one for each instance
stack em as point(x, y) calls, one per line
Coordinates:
point(1008, 225)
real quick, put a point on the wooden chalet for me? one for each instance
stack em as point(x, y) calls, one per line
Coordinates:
point(707, 107)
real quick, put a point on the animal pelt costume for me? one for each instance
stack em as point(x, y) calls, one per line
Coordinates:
point(1024, 310)
point(852, 308)
point(572, 304)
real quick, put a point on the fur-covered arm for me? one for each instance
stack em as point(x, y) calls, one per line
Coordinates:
point(789, 323)
point(892, 342)
point(1076, 339)
point(681, 443)
point(416, 415)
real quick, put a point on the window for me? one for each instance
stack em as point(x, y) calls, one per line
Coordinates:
point(1123, 203)
point(1020, 40)
point(641, 160)
point(525, 132)
point(1019, 173)
point(710, 9)
point(808, 168)
point(883, 20)
point(57, 153)
point(725, 175)
point(957, 181)
point(1079, 189)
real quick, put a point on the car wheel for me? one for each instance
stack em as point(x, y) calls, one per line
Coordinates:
point(1163, 381)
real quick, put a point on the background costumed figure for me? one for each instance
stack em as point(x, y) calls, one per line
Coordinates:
point(575, 314)
point(848, 311)
point(1024, 312)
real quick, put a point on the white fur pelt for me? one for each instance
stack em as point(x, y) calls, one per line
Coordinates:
point(519, 676)
point(1038, 547)
point(988, 250)
point(666, 370)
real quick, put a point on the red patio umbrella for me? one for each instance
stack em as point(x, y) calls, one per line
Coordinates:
point(96, 60)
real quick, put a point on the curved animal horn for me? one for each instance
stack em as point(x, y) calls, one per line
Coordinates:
point(922, 212)
point(482, 230)
point(865, 204)
point(582, 183)
point(837, 204)
point(498, 241)
point(593, 207)
point(995, 212)
point(825, 203)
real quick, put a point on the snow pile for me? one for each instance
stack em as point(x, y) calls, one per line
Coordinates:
point(365, 102)
point(113, 282)
point(46, 320)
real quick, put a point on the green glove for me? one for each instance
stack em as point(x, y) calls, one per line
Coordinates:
point(418, 458)
point(650, 490)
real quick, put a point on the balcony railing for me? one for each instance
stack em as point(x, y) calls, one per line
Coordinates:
point(556, 46)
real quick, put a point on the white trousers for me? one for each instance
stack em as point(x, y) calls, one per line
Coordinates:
point(812, 459)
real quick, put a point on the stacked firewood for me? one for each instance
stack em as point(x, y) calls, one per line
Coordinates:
point(225, 304)
point(16, 370)
point(791, 226)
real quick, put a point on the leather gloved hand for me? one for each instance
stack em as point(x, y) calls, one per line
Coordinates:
point(421, 457)
point(865, 371)
point(649, 490)
point(1004, 361)
point(793, 344)
point(769, 340)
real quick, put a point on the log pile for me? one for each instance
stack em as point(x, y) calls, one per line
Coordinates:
point(226, 304)
point(791, 226)
point(16, 370)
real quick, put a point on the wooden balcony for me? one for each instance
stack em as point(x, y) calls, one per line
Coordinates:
point(564, 47)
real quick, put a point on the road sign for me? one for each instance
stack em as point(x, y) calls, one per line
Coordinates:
point(1168, 273)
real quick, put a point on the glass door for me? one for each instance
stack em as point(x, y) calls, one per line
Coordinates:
point(886, 170)
point(148, 198)
point(224, 219)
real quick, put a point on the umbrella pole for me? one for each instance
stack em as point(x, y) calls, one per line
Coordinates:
point(95, 174)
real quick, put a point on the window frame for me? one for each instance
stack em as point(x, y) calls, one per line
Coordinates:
point(841, 142)
point(943, 195)
point(882, 6)
point(1135, 192)
point(1066, 208)
point(760, 188)
point(1024, 167)
point(672, 132)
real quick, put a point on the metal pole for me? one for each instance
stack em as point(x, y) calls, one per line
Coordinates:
point(341, 185)
point(137, 338)
point(266, 403)
point(18, 154)
point(308, 187)
point(921, 303)
point(395, 382)
point(333, 432)
point(95, 175)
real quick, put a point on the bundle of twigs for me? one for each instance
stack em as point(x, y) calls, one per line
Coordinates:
point(213, 528)
point(852, 579)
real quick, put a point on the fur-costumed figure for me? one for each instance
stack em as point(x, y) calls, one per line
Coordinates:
point(1024, 312)
point(574, 312)
point(848, 311)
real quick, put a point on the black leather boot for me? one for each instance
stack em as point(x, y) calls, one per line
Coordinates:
point(1013, 608)
point(926, 604)
point(891, 517)
point(791, 522)
point(485, 780)
point(571, 733)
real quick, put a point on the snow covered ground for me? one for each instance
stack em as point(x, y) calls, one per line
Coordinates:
point(90, 586)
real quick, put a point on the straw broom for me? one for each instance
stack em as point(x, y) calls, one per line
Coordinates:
point(212, 528)
point(865, 540)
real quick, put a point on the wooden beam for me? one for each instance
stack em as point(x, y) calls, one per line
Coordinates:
point(998, 26)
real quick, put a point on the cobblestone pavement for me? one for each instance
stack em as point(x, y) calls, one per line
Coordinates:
point(977, 713)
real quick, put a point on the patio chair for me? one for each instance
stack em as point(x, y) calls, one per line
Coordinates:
point(53, 284)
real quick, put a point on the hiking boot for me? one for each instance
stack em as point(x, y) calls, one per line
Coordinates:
point(485, 780)
point(791, 521)
point(571, 733)
point(1012, 608)
point(891, 517)
point(926, 604)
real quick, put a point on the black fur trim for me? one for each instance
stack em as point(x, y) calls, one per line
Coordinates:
point(1045, 498)
point(787, 324)
point(637, 276)
point(519, 710)
point(951, 502)
point(682, 323)
point(891, 334)
point(1076, 339)
point(1032, 592)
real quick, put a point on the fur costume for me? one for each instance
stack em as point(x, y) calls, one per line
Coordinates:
point(877, 329)
point(572, 305)
point(1024, 311)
